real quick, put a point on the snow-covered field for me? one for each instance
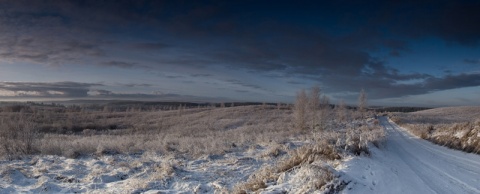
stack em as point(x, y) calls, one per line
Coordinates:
point(154, 173)
point(127, 174)
point(268, 149)
point(401, 164)
point(445, 115)
point(246, 149)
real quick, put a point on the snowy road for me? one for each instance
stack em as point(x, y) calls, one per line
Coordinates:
point(407, 164)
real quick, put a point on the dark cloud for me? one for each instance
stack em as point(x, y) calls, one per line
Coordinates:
point(329, 42)
point(46, 50)
point(371, 28)
point(396, 47)
point(110, 94)
point(201, 75)
point(456, 21)
point(86, 90)
point(192, 61)
point(390, 88)
point(150, 46)
point(453, 81)
point(472, 61)
point(174, 76)
point(132, 85)
point(31, 32)
point(295, 83)
point(114, 95)
point(122, 64)
point(156, 95)
point(452, 21)
point(42, 89)
point(243, 84)
point(395, 53)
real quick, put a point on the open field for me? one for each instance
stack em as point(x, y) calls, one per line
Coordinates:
point(454, 127)
point(203, 149)
point(235, 149)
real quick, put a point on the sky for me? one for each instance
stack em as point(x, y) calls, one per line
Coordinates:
point(402, 53)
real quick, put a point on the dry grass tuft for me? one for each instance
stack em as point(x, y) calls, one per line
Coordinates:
point(314, 177)
point(300, 158)
point(162, 171)
point(257, 181)
point(308, 154)
point(456, 128)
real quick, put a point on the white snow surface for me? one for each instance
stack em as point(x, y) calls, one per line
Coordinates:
point(460, 134)
point(407, 164)
point(143, 173)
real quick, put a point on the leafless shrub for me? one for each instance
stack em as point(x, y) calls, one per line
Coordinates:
point(325, 111)
point(341, 112)
point(314, 105)
point(357, 140)
point(17, 137)
point(300, 110)
point(313, 108)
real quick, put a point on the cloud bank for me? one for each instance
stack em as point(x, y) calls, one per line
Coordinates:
point(332, 43)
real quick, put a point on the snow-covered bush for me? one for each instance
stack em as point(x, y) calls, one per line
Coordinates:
point(17, 137)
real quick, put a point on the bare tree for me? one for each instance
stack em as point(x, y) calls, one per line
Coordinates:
point(313, 105)
point(106, 109)
point(362, 104)
point(324, 111)
point(300, 110)
point(341, 111)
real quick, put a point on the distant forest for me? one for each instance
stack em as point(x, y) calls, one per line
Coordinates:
point(400, 109)
point(122, 106)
